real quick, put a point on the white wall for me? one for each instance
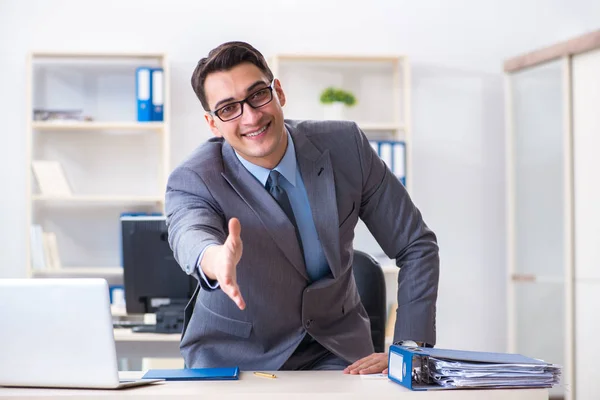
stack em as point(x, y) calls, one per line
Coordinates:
point(457, 48)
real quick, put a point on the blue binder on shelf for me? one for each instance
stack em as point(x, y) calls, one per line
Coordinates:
point(420, 368)
point(194, 374)
point(393, 153)
point(158, 94)
point(143, 89)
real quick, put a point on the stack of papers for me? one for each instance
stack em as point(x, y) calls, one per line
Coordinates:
point(462, 374)
point(419, 368)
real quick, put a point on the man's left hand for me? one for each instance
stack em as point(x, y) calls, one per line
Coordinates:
point(376, 363)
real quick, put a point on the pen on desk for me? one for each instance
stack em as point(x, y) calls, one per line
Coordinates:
point(265, 375)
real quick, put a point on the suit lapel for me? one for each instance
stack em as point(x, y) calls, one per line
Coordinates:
point(265, 207)
point(317, 174)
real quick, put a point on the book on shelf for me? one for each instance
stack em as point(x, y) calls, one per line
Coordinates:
point(44, 249)
point(51, 250)
point(393, 153)
point(38, 260)
point(157, 94)
point(50, 178)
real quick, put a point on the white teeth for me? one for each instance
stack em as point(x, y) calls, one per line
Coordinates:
point(261, 130)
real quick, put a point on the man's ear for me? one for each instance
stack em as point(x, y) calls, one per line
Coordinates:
point(279, 92)
point(210, 120)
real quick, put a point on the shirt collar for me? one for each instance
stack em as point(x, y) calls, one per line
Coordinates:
point(286, 167)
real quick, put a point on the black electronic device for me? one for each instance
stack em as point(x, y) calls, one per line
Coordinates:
point(153, 280)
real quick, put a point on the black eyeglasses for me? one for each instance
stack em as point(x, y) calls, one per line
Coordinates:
point(255, 100)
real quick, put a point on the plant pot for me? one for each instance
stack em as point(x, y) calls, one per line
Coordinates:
point(334, 111)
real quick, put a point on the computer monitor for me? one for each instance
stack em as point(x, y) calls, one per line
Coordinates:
point(153, 280)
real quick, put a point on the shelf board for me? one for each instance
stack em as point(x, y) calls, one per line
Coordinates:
point(46, 54)
point(97, 126)
point(381, 127)
point(127, 335)
point(82, 199)
point(533, 278)
point(337, 57)
point(375, 126)
point(87, 272)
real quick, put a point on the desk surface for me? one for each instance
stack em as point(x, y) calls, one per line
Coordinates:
point(302, 385)
point(127, 335)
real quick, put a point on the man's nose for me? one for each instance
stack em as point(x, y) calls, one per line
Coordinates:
point(250, 115)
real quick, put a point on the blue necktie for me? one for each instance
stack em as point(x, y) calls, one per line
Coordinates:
point(281, 197)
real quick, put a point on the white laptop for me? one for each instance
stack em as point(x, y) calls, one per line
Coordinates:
point(58, 333)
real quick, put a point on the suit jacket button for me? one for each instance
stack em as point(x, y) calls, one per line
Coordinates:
point(308, 323)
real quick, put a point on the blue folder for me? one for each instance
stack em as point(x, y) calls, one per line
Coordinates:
point(143, 88)
point(157, 94)
point(194, 374)
point(393, 153)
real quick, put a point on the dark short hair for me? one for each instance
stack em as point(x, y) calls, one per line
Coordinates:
point(223, 58)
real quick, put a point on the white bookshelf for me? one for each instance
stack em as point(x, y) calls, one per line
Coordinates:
point(113, 164)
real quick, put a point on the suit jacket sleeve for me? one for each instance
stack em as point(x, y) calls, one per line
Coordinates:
point(397, 225)
point(194, 219)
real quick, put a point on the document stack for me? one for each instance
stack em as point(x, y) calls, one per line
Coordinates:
point(420, 368)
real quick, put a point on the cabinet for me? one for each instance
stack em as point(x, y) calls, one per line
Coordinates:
point(553, 209)
point(111, 163)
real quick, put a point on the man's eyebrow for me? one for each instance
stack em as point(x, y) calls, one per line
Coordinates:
point(248, 90)
point(255, 85)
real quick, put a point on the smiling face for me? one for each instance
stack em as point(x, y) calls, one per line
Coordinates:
point(258, 135)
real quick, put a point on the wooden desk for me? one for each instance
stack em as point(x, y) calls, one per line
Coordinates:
point(302, 385)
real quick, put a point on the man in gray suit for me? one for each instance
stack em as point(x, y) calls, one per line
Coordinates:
point(263, 215)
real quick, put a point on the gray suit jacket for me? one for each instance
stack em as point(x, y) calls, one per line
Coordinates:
point(345, 180)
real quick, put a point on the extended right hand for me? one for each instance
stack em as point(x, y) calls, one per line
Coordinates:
point(220, 263)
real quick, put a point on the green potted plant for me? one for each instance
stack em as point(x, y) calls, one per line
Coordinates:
point(334, 101)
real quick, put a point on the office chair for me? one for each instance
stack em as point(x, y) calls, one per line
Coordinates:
point(370, 282)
